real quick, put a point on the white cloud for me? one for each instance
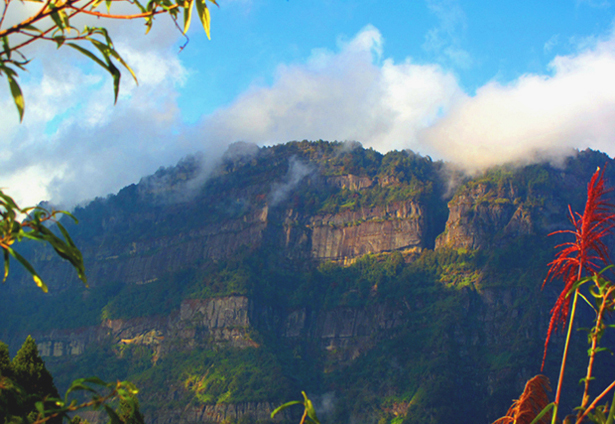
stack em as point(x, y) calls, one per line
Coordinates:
point(349, 96)
point(339, 96)
point(74, 143)
point(551, 43)
point(535, 115)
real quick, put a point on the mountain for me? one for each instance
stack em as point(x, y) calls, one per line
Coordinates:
point(391, 288)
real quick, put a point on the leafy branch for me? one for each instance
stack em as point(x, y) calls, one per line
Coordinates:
point(14, 228)
point(586, 254)
point(52, 23)
point(62, 408)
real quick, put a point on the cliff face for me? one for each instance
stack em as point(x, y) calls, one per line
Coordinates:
point(477, 218)
point(227, 321)
point(201, 323)
point(493, 210)
point(397, 226)
point(349, 234)
point(152, 252)
point(343, 336)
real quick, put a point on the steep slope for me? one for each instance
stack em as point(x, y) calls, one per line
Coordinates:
point(507, 203)
point(309, 266)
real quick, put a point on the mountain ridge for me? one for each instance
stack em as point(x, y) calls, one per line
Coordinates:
point(310, 266)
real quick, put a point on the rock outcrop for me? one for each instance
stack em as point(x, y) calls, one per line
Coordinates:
point(221, 413)
point(347, 235)
point(477, 217)
point(216, 321)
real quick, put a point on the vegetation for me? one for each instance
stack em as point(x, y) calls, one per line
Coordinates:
point(24, 382)
point(404, 329)
point(15, 228)
point(583, 256)
point(28, 394)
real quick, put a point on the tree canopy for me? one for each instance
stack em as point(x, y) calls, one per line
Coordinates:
point(25, 381)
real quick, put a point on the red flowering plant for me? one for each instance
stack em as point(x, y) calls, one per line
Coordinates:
point(579, 262)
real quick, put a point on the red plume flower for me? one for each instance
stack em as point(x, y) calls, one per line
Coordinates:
point(587, 253)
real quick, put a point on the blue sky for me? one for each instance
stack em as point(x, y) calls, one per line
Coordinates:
point(478, 40)
point(472, 82)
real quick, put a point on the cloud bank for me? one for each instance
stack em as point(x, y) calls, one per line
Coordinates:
point(355, 95)
point(75, 145)
point(535, 116)
point(347, 95)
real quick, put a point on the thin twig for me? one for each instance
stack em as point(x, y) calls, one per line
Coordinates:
point(594, 343)
point(43, 33)
point(183, 46)
point(303, 417)
point(135, 16)
point(595, 402)
point(42, 13)
point(6, 6)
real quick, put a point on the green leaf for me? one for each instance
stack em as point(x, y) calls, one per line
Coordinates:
point(89, 54)
point(108, 50)
point(60, 18)
point(5, 46)
point(29, 268)
point(578, 284)
point(59, 39)
point(284, 406)
point(609, 420)
point(116, 55)
point(96, 380)
point(67, 237)
point(6, 265)
point(109, 66)
point(116, 79)
point(311, 413)
point(188, 15)
point(32, 28)
point(140, 6)
point(203, 11)
point(16, 93)
point(40, 407)
point(103, 48)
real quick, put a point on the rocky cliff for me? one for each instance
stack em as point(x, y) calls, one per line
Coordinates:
point(346, 235)
point(505, 204)
point(478, 217)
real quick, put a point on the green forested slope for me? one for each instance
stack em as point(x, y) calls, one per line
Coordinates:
point(445, 330)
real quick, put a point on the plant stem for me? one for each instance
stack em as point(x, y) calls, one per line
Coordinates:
point(595, 402)
point(592, 355)
point(564, 356)
point(594, 342)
